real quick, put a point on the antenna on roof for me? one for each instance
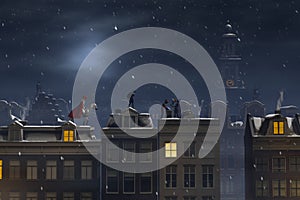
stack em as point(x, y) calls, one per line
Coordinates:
point(38, 88)
point(279, 102)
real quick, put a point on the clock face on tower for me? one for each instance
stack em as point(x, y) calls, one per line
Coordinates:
point(230, 83)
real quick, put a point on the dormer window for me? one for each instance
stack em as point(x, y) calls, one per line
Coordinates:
point(278, 128)
point(68, 135)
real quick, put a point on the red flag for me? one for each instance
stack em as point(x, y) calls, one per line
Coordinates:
point(78, 110)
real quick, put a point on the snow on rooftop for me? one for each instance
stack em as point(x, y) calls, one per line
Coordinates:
point(257, 122)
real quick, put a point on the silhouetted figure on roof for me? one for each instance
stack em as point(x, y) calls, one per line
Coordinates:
point(131, 99)
point(166, 108)
point(176, 108)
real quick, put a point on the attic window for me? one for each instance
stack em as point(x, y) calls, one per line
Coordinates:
point(68, 135)
point(278, 128)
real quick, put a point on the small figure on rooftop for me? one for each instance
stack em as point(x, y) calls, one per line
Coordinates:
point(166, 108)
point(176, 108)
point(131, 99)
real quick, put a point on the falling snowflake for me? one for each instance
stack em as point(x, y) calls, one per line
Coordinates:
point(116, 28)
point(47, 48)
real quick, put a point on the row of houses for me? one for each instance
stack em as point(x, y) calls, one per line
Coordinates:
point(52, 161)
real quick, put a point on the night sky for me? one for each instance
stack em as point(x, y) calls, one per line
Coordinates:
point(47, 40)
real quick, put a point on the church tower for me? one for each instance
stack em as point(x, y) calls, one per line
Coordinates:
point(230, 68)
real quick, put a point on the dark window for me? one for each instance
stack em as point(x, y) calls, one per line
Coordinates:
point(112, 153)
point(189, 176)
point(128, 184)
point(295, 188)
point(86, 196)
point(278, 164)
point(231, 162)
point(146, 182)
point(68, 196)
point(189, 198)
point(14, 169)
point(190, 150)
point(207, 176)
point(207, 198)
point(262, 188)
point(31, 170)
point(145, 147)
point(14, 196)
point(69, 170)
point(51, 170)
point(279, 188)
point(86, 170)
point(112, 184)
point(261, 164)
point(129, 148)
point(171, 175)
point(171, 198)
point(31, 196)
point(50, 196)
point(294, 164)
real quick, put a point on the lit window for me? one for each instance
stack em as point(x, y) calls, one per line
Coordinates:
point(171, 150)
point(1, 169)
point(278, 128)
point(68, 135)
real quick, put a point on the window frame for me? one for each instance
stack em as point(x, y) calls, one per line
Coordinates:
point(190, 174)
point(151, 182)
point(132, 175)
point(67, 168)
point(206, 175)
point(52, 168)
point(277, 187)
point(172, 172)
point(87, 167)
point(278, 169)
point(278, 128)
point(171, 149)
point(68, 135)
point(117, 181)
point(31, 170)
point(15, 168)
